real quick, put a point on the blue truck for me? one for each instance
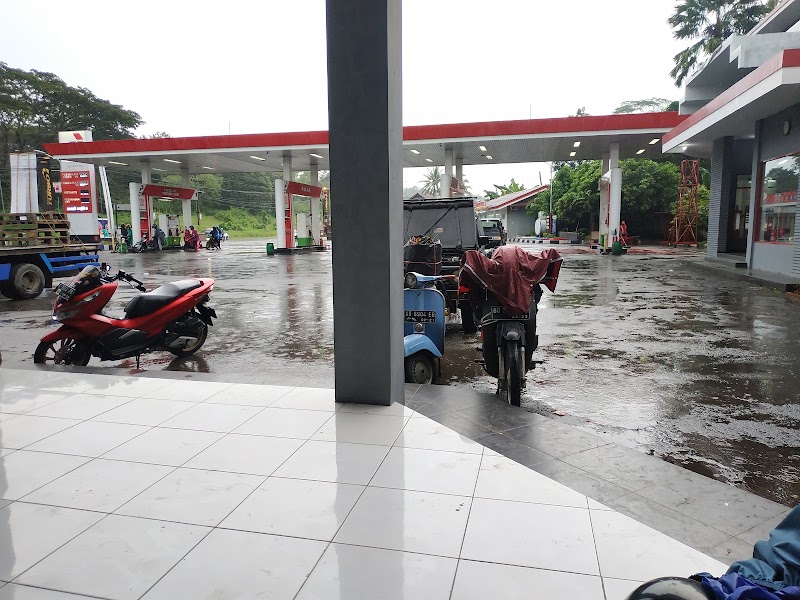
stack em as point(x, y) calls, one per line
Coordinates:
point(35, 248)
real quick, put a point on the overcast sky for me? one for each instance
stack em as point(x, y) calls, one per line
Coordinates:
point(200, 67)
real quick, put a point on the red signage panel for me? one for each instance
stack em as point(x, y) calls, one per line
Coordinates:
point(163, 191)
point(303, 189)
point(76, 191)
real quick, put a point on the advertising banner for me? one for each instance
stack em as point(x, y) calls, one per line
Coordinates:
point(46, 193)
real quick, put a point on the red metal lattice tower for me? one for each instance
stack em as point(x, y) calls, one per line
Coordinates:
point(686, 208)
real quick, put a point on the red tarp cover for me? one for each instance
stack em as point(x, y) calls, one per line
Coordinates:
point(511, 274)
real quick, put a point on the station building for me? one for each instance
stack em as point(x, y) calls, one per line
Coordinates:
point(744, 114)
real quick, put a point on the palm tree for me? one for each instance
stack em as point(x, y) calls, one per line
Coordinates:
point(430, 182)
point(711, 22)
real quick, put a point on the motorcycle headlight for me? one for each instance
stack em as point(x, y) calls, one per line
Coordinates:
point(411, 281)
point(61, 315)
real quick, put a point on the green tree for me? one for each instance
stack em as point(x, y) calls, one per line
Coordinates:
point(576, 195)
point(502, 190)
point(648, 187)
point(646, 105)
point(430, 181)
point(35, 106)
point(710, 23)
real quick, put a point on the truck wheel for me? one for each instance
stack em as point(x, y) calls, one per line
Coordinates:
point(28, 281)
point(420, 369)
point(467, 317)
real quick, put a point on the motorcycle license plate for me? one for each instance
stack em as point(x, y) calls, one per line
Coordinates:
point(499, 315)
point(420, 316)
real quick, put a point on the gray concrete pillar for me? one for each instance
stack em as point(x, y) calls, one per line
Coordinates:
point(460, 168)
point(755, 170)
point(722, 187)
point(366, 145)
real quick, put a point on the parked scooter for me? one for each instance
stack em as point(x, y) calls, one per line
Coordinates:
point(142, 245)
point(504, 291)
point(173, 318)
point(423, 327)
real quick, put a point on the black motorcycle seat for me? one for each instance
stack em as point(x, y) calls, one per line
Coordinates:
point(151, 301)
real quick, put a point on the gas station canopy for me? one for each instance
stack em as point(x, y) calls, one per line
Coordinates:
point(494, 142)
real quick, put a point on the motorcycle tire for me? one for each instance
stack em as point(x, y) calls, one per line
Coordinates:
point(189, 350)
point(514, 373)
point(420, 369)
point(79, 355)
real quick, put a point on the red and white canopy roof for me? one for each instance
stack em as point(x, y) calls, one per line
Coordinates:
point(495, 142)
point(772, 87)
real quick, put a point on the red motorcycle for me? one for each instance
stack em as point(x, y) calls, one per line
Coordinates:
point(172, 318)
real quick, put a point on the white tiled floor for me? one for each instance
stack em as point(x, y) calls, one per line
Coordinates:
point(130, 488)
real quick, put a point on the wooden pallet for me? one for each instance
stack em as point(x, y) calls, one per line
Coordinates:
point(34, 229)
point(31, 217)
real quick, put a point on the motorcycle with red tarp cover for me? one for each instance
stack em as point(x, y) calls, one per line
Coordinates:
point(504, 291)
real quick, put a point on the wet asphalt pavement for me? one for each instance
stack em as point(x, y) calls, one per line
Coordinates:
point(657, 354)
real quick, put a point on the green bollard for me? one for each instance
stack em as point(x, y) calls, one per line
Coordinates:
point(616, 248)
point(270, 249)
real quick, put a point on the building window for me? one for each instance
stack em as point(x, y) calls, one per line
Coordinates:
point(779, 200)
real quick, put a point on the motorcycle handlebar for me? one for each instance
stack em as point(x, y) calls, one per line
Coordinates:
point(131, 279)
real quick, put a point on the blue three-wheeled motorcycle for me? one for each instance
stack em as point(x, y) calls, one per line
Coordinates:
point(423, 327)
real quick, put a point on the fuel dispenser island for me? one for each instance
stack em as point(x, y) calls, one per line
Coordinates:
point(297, 231)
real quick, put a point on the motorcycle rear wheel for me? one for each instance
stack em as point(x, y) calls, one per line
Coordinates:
point(67, 351)
point(189, 350)
point(514, 373)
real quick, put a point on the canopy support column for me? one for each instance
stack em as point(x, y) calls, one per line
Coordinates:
point(186, 181)
point(444, 179)
point(366, 144)
point(315, 204)
point(615, 194)
point(602, 225)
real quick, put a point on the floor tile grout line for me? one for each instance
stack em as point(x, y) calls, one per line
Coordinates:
point(100, 520)
point(291, 388)
point(672, 509)
point(179, 561)
point(127, 401)
point(596, 551)
point(39, 587)
point(466, 524)
point(175, 382)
